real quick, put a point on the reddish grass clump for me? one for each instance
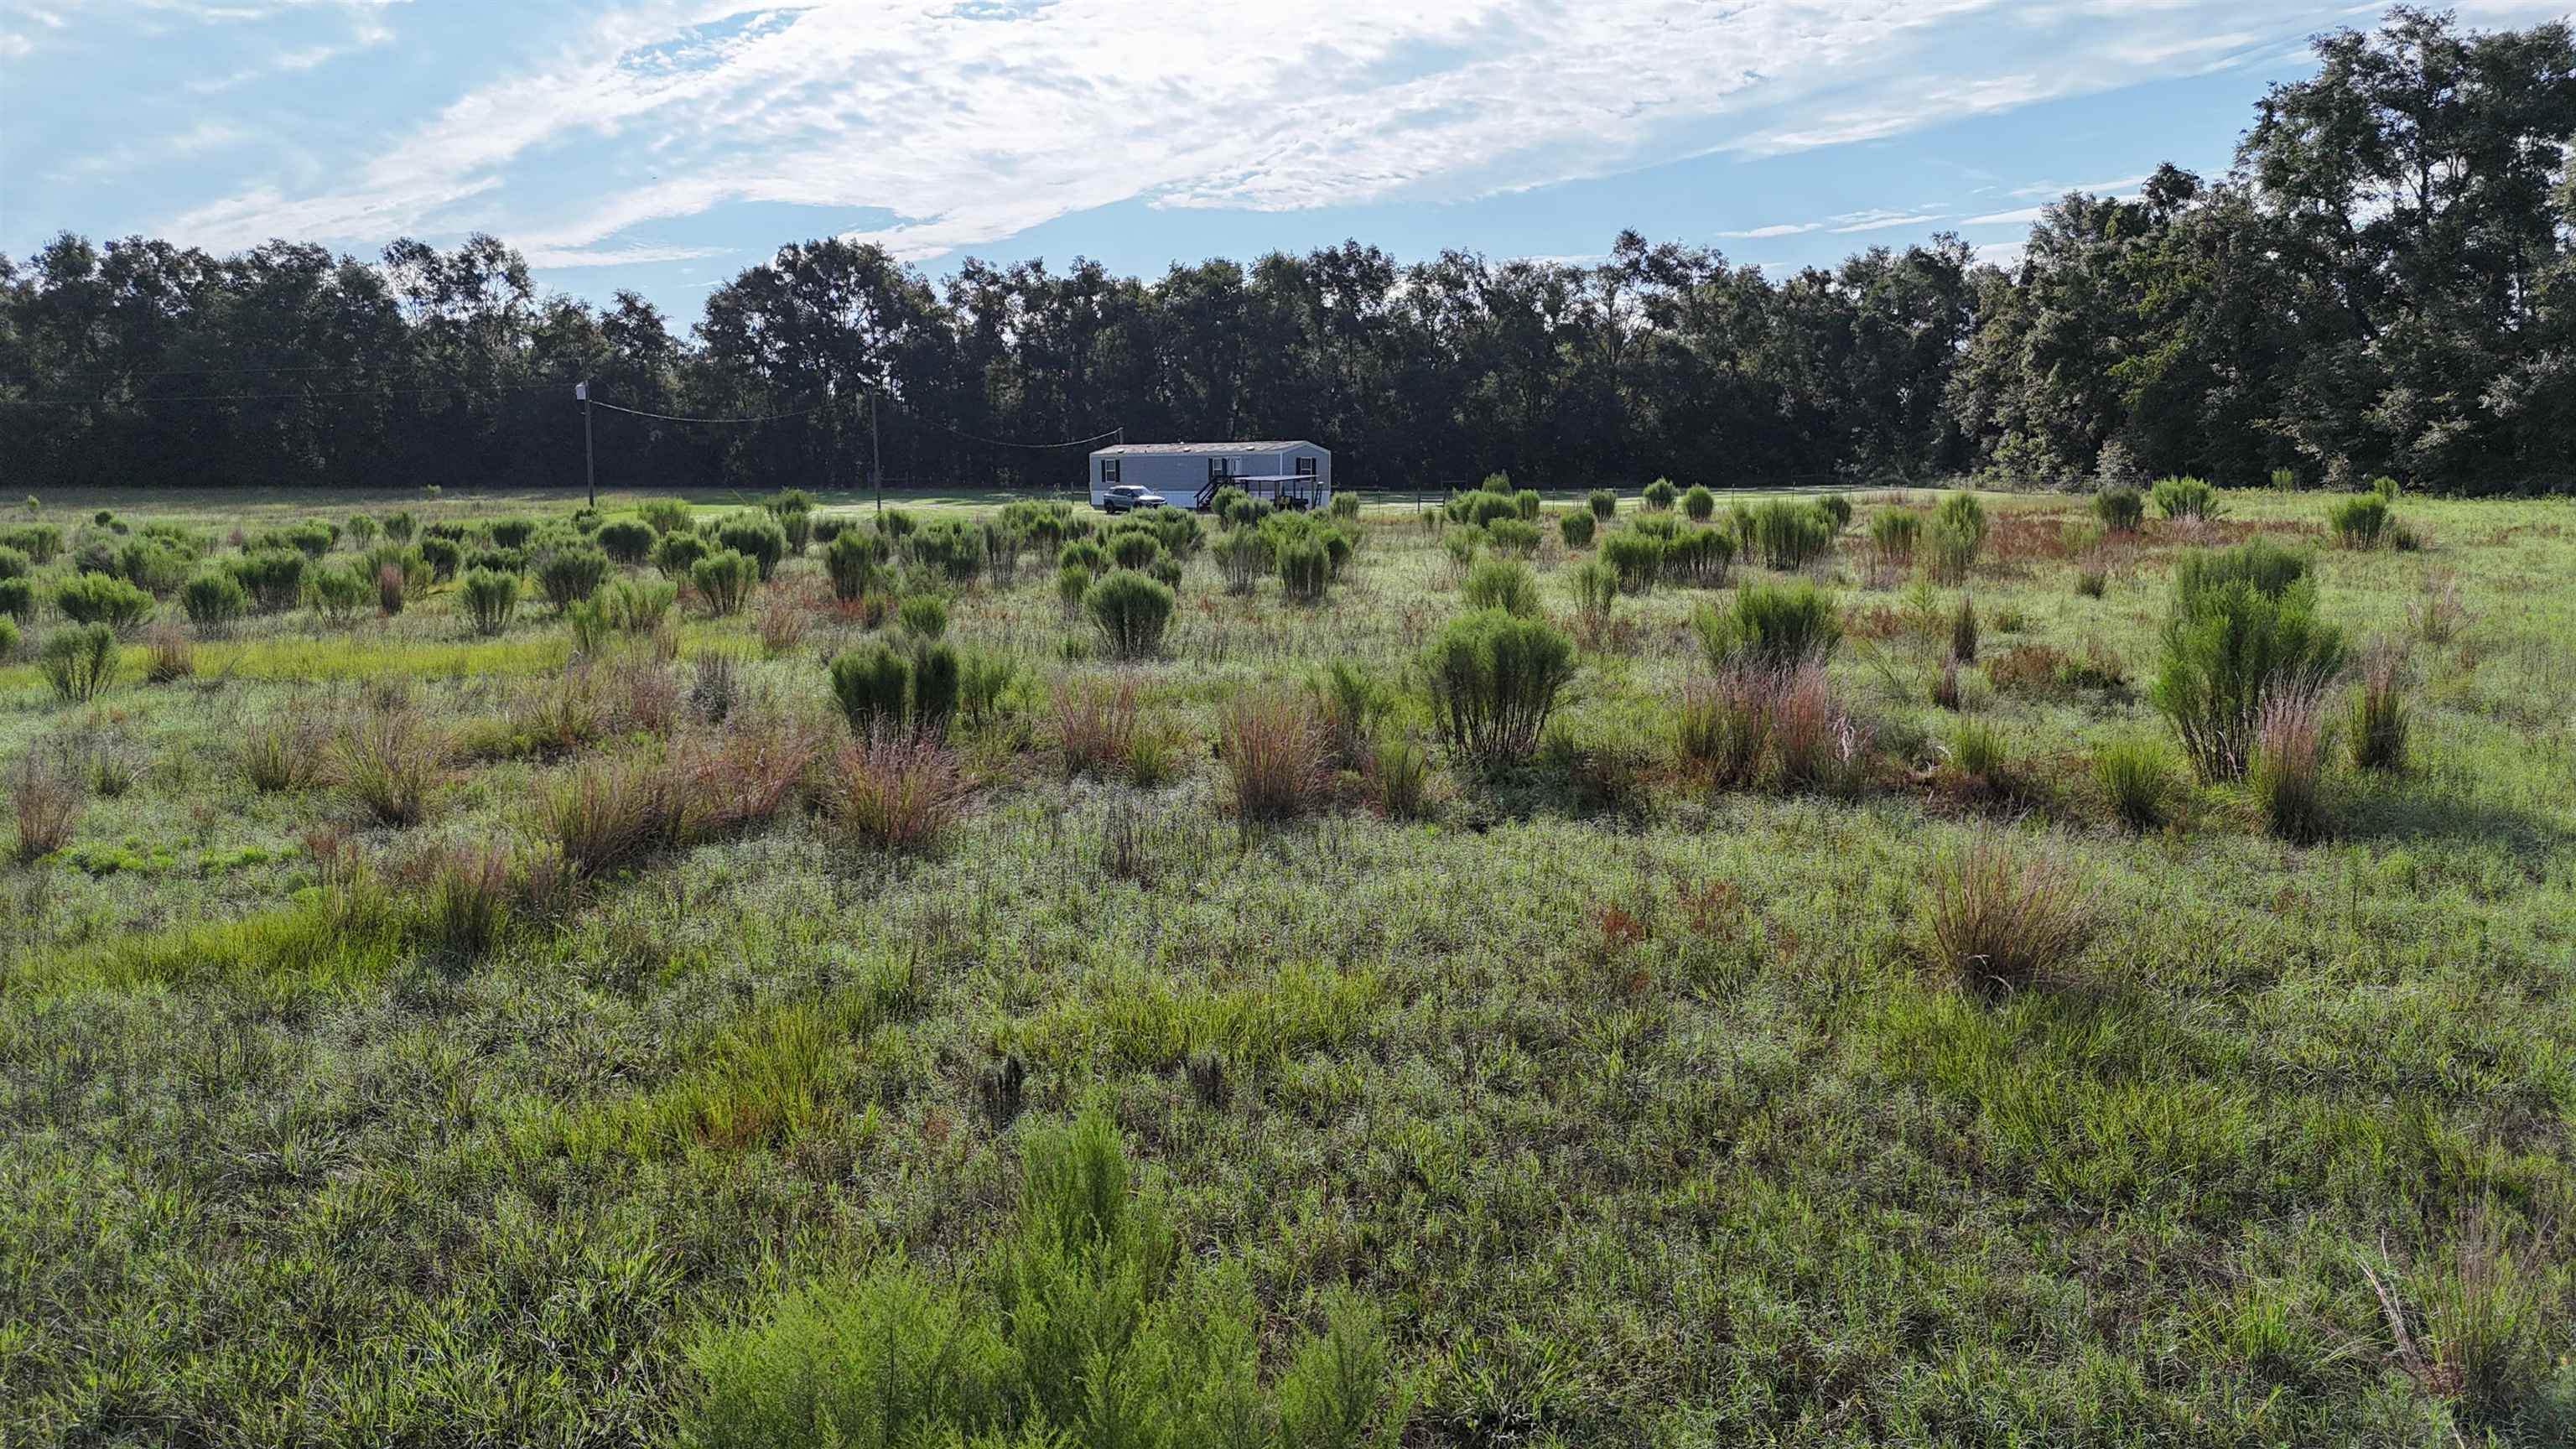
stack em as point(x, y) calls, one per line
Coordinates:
point(2005, 917)
point(1095, 726)
point(897, 790)
point(1272, 745)
point(47, 802)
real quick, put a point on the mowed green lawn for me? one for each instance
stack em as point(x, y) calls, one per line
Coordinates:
point(1611, 1105)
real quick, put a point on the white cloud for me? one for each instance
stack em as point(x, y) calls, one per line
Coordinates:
point(568, 257)
point(974, 121)
point(1786, 228)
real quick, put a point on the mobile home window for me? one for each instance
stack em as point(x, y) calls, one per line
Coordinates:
point(1305, 467)
point(1108, 470)
point(1220, 468)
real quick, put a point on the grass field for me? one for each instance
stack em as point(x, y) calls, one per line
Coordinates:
point(416, 1035)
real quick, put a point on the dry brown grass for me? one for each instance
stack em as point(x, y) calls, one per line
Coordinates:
point(46, 801)
point(1095, 726)
point(1272, 746)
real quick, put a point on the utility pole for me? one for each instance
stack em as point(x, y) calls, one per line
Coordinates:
point(589, 455)
point(876, 459)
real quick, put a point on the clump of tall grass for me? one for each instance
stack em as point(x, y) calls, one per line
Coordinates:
point(168, 655)
point(1723, 724)
point(2360, 522)
point(1502, 583)
point(2435, 614)
point(1893, 534)
point(1636, 557)
point(1698, 503)
point(281, 752)
point(1350, 703)
point(1753, 719)
point(1576, 528)
point(2287, 774)
point(2135, 777)
point(1096, 727)
point(1494, 681)
point(1272, 747)
point(80, 661)
point(1700, 557)
point(2244, 628)
point(1975, 752)
point(2006, 916)
point(387, 759)
point(898, 791)
point(2190, 500)
point(1963, 631)
point(1596, 601)
point(45, 802)
point(490, 600)
point(2121, 509)
point(1400, 771)
point(1789, 535)
point(2381, 717)
point(1601, 503)
point(724, 580)
point(1658, 495)
point(214, 602)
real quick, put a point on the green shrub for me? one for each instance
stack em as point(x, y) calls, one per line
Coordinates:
point(629, 541)
point(1134, 548)
point(1576, 529)
point(2385, 488)
point(2184, 498)
point(1242, 556)
point(14, 563)
point(570, 574)
point(1963, 631)
point(873, 688)
point(443, 557)
point(1603, 503)
point(400, 525)
point(724, 579)
point(2135, 777)
point(2244, 629)
point(1494, 682)
point(794, 510)
point(42, 543)
point(1304, 566)
point(1948, 552)
point(490, 599)
point(756, 536)
point(8, 638)
point(18, 599)
point(1513, 536)
point(101, 599)
point(1225, 500)
point(668, 516)
point(1346, 506)
point(1659, 495)
point(1132, 611)
point(1790, 535)
point(214, 601)
point(1700, 557)
point(79, 662)
point(512, 532)
point(1478, 507)
point(1636, 557)
point(677, 555)
point(1893, 533)
point(1698, 503)
point(2121, 510)
point(1504, 584)
point(950, 548)
point(337, 592)
point(851, 560)
point(154, 565)
point(1774, 625)
point(2265, 566)
point(2360, 522)
point(924, 616)
point(1525, 502)
point(1838, 508)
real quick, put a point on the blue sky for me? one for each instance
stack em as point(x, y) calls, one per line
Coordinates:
point(663, 145)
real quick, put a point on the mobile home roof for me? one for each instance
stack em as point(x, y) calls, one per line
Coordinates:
point(1131, 449)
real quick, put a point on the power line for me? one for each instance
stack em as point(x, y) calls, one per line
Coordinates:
point(113, 402)
point(670, 418)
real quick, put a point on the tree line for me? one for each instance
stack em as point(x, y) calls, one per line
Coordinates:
point(2384, 282)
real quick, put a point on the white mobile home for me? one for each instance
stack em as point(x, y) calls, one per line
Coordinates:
point(1294, 474)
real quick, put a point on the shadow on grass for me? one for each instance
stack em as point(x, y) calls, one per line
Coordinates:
point(2407, 809)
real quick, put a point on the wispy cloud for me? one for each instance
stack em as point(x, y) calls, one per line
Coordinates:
point(1786, 228)
point(973, 123)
